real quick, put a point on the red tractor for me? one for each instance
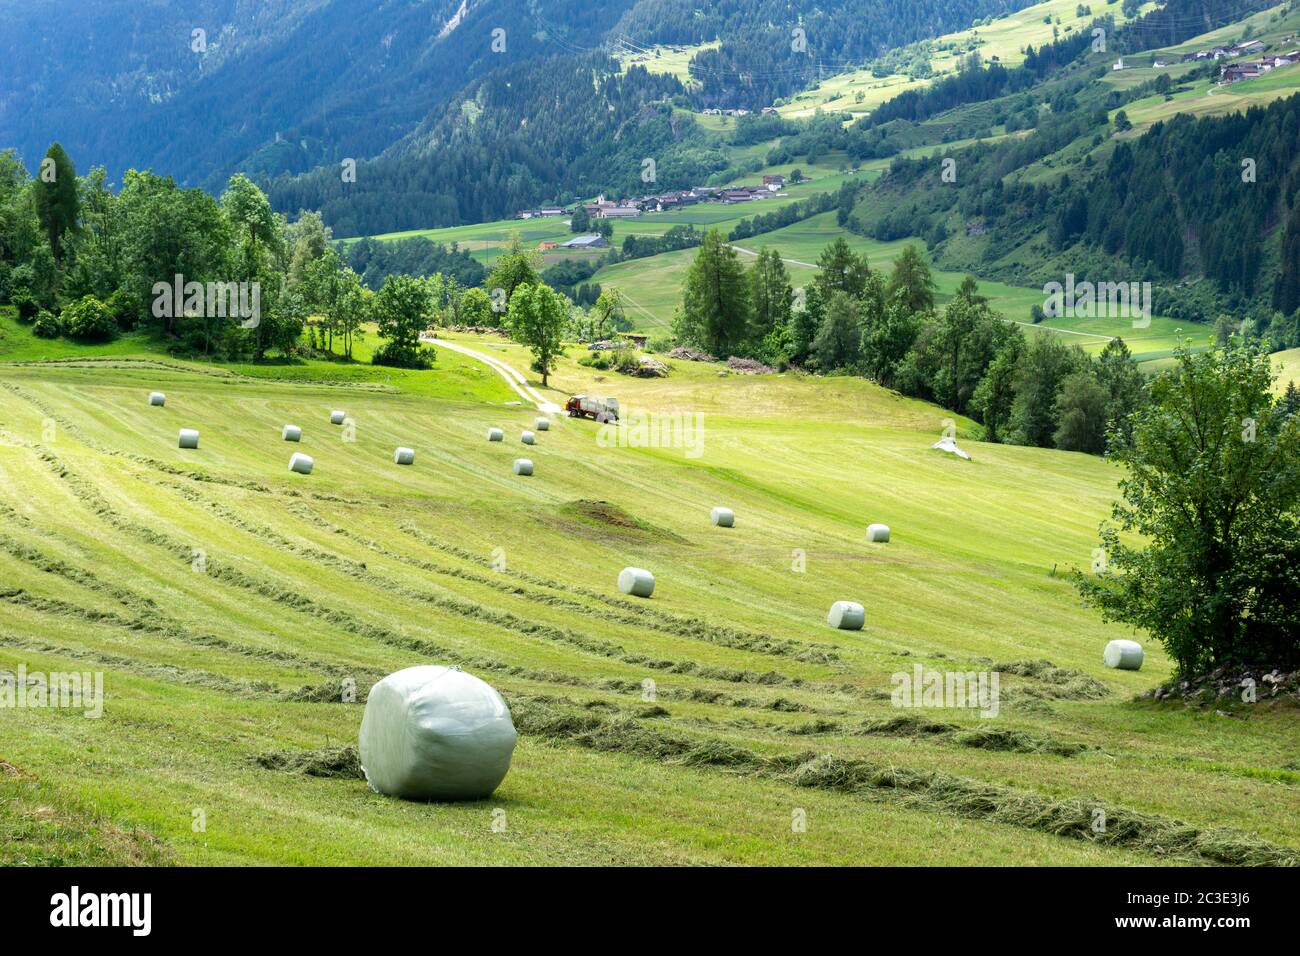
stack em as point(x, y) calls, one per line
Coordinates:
point(599, 409)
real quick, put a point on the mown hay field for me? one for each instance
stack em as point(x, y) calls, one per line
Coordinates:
point(230, 604)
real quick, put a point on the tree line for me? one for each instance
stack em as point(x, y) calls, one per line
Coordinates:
point(80, 260)
point(855, 320)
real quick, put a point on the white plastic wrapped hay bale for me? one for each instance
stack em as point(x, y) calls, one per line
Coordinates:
point(189, 438)
point(435, 733)
point(337, 417)
point(542, 424)
point(637, 582)
point(404, 456)
point(291, 433)
point(301, 463)
point(496, 434)
point(878, 532)
point(528, 438)
point(1125, 655)
point(523, 466)
point(723, 517)
point(847, 616)
point(157, 398)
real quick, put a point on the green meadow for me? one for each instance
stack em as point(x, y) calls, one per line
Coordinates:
point(227, 603)
point(652, 288)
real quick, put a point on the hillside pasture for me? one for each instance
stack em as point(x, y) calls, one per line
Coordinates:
point(227, 601)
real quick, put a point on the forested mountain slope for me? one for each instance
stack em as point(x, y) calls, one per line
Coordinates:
point(274, 86)
point(199, 89)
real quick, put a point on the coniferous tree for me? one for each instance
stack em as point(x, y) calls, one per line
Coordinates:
point(840, 270)
point(839, 340)
point(55, 194)
point(770, 295)
point(912, 277)
point(715, 301)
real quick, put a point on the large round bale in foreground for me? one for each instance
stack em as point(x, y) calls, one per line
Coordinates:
point(404, 456)
point(523, 466)
point(878, 532)
point(636, 581)
point(189, 438)
point(496, 434)
point(337, 417)
point(723, 517)
point(847, 616)
point(542, 424)
point(301, 463)
point(157, 398)
point(291, 433)
point(1126, 655)
point(435, 733)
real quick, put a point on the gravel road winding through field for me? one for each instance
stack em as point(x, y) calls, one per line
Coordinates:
point(512, 377)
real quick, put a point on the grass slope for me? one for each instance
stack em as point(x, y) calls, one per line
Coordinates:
point(761, 710)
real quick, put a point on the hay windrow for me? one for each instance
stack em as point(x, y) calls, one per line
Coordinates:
point(640, 614)
point(148, 617)
point(170, 673)
point(923, 789)
point(1055, 683)
point(450, 602)
point(915, 727)
point(347, 622)
point(340, 763)
point(155, 464)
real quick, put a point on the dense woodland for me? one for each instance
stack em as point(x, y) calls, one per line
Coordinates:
point(1113, 219)
point(278, 86)
point(525, 135)
point(761, 58)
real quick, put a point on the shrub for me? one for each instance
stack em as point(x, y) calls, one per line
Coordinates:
point(26, 305)
point(394, 354)
point(626, 361)
point(47, 325)
point(89, 320)
point(122, 309)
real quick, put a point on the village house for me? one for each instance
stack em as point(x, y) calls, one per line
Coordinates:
point(545, 212)
point(595, 241)
point(1236, 72)
point(1215, 53)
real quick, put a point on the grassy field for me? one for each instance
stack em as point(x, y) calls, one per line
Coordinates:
point(1287, 366)
point(215, 667)
point(653, 286)
point(669, 60)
